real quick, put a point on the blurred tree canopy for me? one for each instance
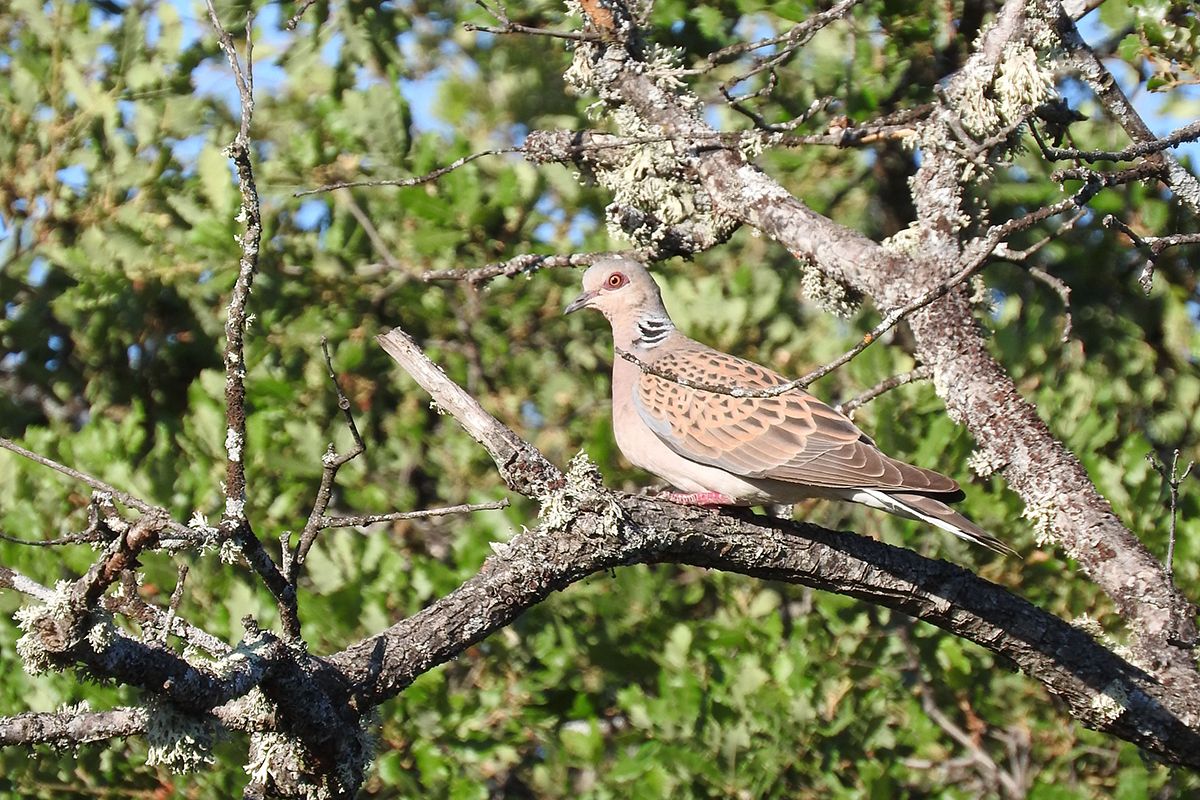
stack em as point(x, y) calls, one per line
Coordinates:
point(120, 239)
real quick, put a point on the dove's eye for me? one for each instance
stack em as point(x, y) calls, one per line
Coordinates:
point(616, 280)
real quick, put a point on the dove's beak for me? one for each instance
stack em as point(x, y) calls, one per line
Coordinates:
point(583, 301)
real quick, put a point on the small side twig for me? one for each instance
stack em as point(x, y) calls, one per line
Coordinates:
point(507, 26)
point(987, 766)
point(71, 726)
point(300, 9)
point(413, 181)
point(178, 531)
point(522, 265)
point(788, 43)
point(1187, 133)
point(331, 462)
point(918, 374)
point(372, 519)
point(1155, 245)
point(1063, 291)
point(176, 599)
point(1172, 478)
point(369, 228)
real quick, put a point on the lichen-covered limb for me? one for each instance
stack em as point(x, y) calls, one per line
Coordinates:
point(235, 526)
point(71, 725)
point(977, 390)
point(1060, 499)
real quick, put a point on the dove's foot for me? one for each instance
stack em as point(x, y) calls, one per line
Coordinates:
point(698, 498)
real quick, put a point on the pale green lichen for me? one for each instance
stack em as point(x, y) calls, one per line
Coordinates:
point(1089, 625)
point(985, 463)
point(982, 297)
point(830, 295)
point(277, 757)
point(975, 108)
point(647, 175)
point(906, 242)
point(1112, 702)
point(583, 485)
point(1041, 513)
point(34, 656)
point(103, 632)
point(1023, 83)
point(230, 552)
point(178, 741)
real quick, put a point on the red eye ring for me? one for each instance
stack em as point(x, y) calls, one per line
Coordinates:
point(615, 281)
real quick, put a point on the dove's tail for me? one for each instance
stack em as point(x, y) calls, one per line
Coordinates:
point(933, 511)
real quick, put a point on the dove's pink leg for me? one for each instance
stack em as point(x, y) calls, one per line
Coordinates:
point(699, 498)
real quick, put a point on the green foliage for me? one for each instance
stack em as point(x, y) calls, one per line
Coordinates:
point(118, 209)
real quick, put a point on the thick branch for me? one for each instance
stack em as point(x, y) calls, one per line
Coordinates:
point(640, 530)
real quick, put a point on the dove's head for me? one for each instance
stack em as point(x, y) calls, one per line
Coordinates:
point(622, 290)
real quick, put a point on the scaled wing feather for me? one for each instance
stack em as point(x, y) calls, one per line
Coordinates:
point(793, 437)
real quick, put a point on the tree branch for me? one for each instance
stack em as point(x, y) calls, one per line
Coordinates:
point(234, 524)
point(71, 726)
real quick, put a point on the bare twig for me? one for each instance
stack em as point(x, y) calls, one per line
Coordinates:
point(1064, 293)
point(918, 374)
point(983, 760)
point(300, 9)
point(1154, 244)
point(520, 464)
point(177, 530)
point(1187, 133)
point(414, 181)
point(176, 599)
point(1005, 253)
point(507, 26)
point(331, 462)
point(11, 579)
point(513, 27)
point(524, 264)
point(234, 523)
point(369, 228)
point(1172, 478)
point(372, 519)
point(798, 36)
point(73, 538)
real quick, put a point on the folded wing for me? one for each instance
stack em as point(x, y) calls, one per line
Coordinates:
point(793, 437)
